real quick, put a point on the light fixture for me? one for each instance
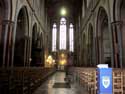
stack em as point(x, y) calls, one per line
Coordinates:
point(49, 59)
point(62, 55)
point(62, 62)
point(63, 11)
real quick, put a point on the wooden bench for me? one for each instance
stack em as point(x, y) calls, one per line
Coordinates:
point(117, 81)
point(123, 81)
point(87, 77)
point(7, 85)
point(37, 76)
point(22, 80)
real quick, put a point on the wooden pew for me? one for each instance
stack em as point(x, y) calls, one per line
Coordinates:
point(117, 81)
point(21, 80)
point(7, 85)
point(87, 79)
point(123, 81)
point(37, 76)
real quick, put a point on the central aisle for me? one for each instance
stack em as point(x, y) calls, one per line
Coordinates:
point(58, 77)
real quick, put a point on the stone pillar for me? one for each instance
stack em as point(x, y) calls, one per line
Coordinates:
point(6, 42)
point(117, 43)
point(58, 39)
point(30, 50)
point(67, 37)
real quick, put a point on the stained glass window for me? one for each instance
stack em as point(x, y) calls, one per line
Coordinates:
point(71, 38)
point(62, 36)
point(54, 37)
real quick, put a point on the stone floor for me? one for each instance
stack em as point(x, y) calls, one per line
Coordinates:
point(58, 77)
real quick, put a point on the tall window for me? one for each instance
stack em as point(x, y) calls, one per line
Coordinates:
point(71, 38)
point(62, 36)
point(54, 37)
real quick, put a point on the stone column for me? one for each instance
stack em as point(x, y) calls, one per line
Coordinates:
point(67, 37)
point(6, 42)
point(117, 43)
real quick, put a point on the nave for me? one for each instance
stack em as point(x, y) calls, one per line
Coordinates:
point(38, 37)
point(48, 87)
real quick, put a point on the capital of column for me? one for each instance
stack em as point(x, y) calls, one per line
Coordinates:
point(117, 23)
point(7, 22)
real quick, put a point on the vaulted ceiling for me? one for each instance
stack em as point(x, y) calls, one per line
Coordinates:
point(53, 7)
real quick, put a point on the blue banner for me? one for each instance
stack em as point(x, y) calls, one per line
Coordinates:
point(104, 80)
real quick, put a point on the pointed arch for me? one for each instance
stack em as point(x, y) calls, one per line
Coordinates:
point(20, 51)
point(90, 45)
point(103, 35)
point(54, 37)
point(34, 45)
point(71, 37)
point(62, 31)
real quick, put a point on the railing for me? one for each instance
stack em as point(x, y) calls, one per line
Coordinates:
point(87, 77)
point(22, 80)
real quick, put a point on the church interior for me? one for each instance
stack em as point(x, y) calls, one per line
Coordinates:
point(62, 46)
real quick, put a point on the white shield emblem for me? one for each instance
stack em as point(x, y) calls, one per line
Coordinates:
point(106, 81)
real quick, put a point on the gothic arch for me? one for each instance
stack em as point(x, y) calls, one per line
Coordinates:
point(38, 39)
point(41, 40)
point(34, 34)
point(42, 49)
point(103, 35)
point(90, 45)
point(83, 58)
point(20, 51)
point(34, 45)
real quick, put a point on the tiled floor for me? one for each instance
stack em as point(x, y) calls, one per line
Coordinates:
point(47, 87)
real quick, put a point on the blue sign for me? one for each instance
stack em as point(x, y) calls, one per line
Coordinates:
point(104, 78)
